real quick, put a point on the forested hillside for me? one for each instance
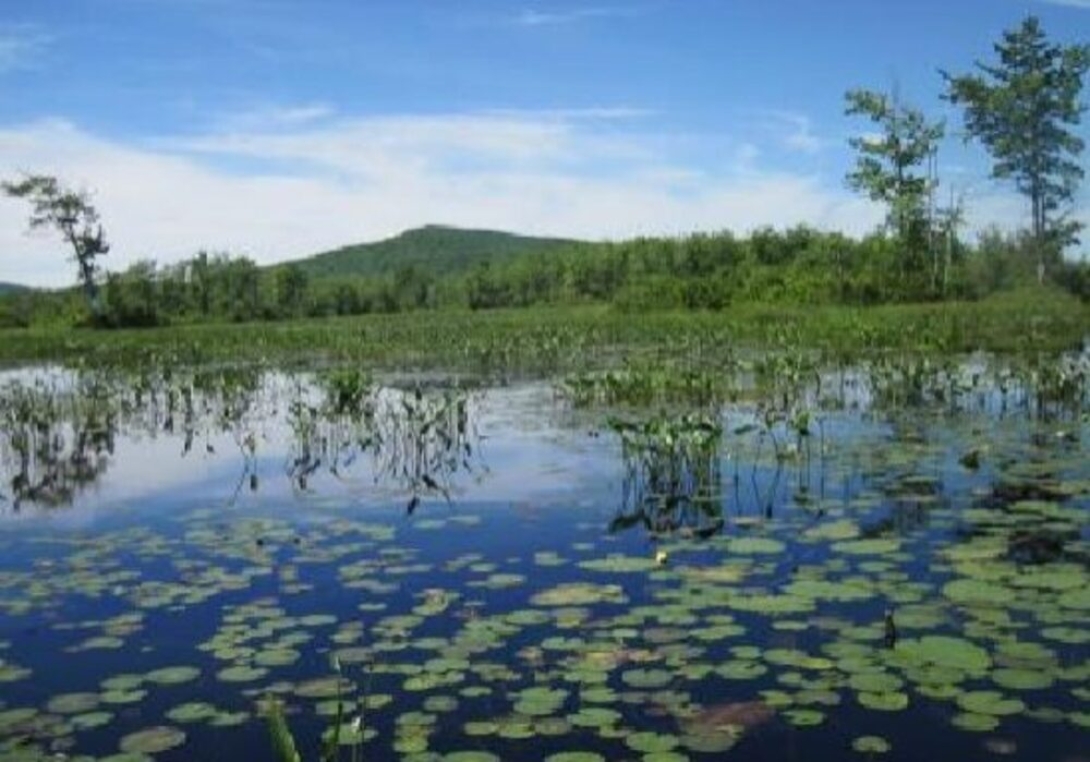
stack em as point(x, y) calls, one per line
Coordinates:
point(435, 248)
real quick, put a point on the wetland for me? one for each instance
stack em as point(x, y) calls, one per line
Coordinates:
point(778, 554)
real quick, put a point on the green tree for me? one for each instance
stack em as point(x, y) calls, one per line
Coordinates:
point(70, 213)
point(240, 283)
point(887, 168)
point(132, 298)
point(291, 289)
point(200, 280)
point(1022, 110)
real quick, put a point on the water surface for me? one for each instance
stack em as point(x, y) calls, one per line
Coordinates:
point(497, 575)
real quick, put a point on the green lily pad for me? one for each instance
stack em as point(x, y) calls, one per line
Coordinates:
point(893, 701)
point(91, 720)
point(989, 702)
point(871, 745)
point(241, 673)
point(976, 723)
point(195, 711)
point(649, 743)
point(579, 594)
point(619, 564)
point(173, 675)
point(73, 703)
point(756, 546)
point(944, 651)
point(1022, 679)
point(153, 740)
point(804, 718)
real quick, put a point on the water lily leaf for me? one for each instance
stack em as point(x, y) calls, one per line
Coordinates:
point(756, 546)
point(649, 743)
point(172, 675)
point(804, 718)
point(153, 740)
point(989, 702)
point(1022, 679)
point(892, 701)
point(579, 594)
point(944, 651)
point(73, 703)
point(194, 711)
point(871, 745)
point(619, 564)
point(977, 723)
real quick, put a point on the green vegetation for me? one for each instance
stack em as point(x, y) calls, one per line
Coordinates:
point(1022, 109)
point(515, 341)
point(886, 170)
point(791, 270)
point(435, 249)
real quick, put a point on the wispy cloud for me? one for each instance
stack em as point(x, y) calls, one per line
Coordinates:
point(21, 46)
point(275, 117)
point(532, 17)
point(794, 131)
point(1083, 4)
point(601, 113)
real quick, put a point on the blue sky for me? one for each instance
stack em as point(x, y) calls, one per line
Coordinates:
point(277, 128)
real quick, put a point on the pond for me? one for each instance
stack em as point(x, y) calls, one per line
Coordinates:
point(217, 563)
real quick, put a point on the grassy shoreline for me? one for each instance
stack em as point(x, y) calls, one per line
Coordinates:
point(1032, 321)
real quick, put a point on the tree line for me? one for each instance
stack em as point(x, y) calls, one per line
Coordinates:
point(705, 271)
point(1022, 108)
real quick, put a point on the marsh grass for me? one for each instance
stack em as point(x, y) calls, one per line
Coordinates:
point(527, 341)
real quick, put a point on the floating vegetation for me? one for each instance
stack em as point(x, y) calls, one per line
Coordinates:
point(871, 745)
point(152, 740)
point(756, 598)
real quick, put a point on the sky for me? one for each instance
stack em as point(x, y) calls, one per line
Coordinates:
point(279, 128)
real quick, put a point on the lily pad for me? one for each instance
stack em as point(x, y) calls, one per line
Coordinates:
point(989, 702)
point(871, 745)
point(893, 701)
point(153, 740)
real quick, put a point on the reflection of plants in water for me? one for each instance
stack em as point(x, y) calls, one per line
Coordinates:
point(57, 435)
point(332, 430)
point(672, 475)
point(417, 440)
point(54, 443)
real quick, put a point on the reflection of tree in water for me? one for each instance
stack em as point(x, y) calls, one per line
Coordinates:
point(673, 479)
point(58, 435)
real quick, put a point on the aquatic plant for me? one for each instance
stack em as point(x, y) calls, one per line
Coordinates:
point(673, 476)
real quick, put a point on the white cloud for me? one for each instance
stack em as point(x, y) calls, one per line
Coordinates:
point(531, 17)
point(21, 46)
point(289, 191)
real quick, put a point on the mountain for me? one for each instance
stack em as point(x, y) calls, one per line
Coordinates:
point(11, 288)
point(435, 248)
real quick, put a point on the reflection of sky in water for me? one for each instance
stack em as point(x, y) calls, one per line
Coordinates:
point(525, 453)
point(530, 448)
